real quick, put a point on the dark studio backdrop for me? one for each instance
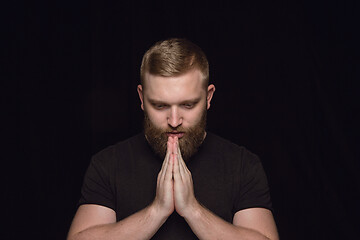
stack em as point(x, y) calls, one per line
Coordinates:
point(285, 73)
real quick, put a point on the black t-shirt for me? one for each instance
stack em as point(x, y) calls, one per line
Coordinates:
point(227, 178)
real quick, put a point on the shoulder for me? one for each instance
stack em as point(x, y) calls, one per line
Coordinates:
point(120, 150)
point(220, 145)
point(232, 155)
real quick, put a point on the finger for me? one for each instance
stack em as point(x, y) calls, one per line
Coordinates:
point(177, 147)
point(170, 168)
point(182, 167)
point(165, 163)
point(176, 171)
point(166, 159)
point(173, 149)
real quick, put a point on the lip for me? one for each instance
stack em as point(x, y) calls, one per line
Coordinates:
point(175, 134)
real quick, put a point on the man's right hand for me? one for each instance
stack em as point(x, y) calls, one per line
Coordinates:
point(98, 222)
point(164, 199)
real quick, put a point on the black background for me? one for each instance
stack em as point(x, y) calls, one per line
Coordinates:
point(285, 73)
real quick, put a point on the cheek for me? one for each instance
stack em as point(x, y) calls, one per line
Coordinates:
point(158, 119)
point(193, 117)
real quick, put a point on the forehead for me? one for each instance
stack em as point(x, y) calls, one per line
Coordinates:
point(173, 89)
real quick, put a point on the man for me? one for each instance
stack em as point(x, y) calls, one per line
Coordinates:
point(175, 180)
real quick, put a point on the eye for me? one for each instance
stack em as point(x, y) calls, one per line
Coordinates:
point(188, 105)
point(160, 106)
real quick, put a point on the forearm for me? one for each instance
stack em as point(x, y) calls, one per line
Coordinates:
point(207, 226)
point(141, 225)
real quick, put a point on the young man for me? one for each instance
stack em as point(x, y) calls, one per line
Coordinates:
point(175, 180)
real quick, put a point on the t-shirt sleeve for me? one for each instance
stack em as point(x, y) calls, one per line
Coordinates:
point(253, 188)
point(96, 188)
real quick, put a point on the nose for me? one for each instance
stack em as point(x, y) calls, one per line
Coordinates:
point(174, 118)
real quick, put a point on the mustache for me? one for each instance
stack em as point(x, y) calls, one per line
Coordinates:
point(175, 129)
point(157, 137)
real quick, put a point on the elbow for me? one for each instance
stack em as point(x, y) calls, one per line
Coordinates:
point(272, 237)
point(72, 237)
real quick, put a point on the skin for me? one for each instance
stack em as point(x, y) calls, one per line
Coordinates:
point(175, 101)
point(172, 102)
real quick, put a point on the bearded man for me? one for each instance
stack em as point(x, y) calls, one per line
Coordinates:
point(174, 180)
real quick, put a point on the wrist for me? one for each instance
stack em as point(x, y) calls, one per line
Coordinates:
point(156, 211)
point(193, 211)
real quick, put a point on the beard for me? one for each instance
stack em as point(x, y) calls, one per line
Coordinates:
point(188, 144)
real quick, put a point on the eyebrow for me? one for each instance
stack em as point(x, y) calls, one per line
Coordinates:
point(193, 100)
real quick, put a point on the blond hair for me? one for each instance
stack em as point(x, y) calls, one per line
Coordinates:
point(174, 57)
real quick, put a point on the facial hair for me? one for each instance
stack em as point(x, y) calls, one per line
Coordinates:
point(189, 143)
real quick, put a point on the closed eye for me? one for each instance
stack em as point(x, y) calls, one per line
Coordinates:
point(159, 106)
point(188, 105)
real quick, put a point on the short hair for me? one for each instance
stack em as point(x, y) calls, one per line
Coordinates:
point(174, 57)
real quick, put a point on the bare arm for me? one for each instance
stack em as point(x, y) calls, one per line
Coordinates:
point(254, 224)
point(98, 222)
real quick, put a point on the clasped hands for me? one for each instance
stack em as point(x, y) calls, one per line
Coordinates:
point(174, 189)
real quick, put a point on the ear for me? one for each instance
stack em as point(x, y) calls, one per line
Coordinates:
point(141, 95)
point(209, 95)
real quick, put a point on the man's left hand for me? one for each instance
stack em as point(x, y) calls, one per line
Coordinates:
point(185, 201)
